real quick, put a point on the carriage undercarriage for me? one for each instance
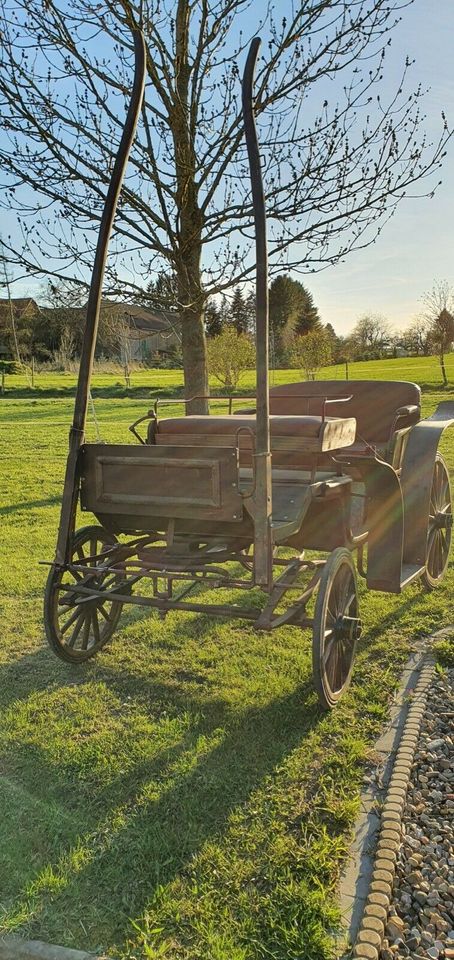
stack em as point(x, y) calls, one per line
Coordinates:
point(85, 599)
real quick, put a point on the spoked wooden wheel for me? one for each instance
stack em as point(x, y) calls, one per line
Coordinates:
point(76, 632)
point(439, 527)
point(336, 627)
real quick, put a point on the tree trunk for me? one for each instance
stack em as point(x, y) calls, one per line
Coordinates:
point(188, 257)
point(194, 359)
point(443, 368)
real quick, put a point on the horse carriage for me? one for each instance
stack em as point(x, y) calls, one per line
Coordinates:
point(276, 494)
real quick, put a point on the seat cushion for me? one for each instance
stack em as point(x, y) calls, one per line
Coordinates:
point(287, 432)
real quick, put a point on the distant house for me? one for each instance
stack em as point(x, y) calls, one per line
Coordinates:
point(24, 308)
point(136, 333)
point(145, 332)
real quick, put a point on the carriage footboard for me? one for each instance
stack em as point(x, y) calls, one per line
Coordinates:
point(198, 483)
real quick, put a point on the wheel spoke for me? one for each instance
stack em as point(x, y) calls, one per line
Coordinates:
point(77, 629)
point(86, 634)
point(75, 614)
point(440, 552)
point(103, 613)
point(96, 632)
point(351, 602)
point(338, 589)
point(444, 492)
point(107, 584)
point(335, 686)
point(344, 592)
point(348, 650)
point(430, 540)
point(331, 664)
point(328, 648)
point(436, 554)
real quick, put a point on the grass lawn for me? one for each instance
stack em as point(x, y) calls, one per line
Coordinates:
point(182, 796)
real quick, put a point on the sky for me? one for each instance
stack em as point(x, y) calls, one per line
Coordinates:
point(416, 247)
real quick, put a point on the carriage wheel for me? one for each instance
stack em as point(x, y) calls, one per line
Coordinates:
point(439, 526)
point(75, 632)
point(336, 627)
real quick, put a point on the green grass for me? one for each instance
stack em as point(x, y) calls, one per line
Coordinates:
point(182, 796)
point(444, 651)
point(169, 383)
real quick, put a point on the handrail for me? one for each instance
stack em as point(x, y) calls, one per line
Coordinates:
point(76, 435)
point(231, 398)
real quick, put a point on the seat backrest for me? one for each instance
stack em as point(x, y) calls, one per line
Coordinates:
point(373, 403)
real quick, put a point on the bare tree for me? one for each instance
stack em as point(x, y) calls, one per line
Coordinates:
point(334, 169)
point(118, 335)
point(416, 337)
point(370, 335)
point(64, 356)
point(8, 320)
point(438, 312)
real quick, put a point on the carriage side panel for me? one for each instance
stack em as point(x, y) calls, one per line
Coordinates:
point(161, 482)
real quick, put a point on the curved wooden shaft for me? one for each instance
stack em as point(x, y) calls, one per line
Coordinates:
point(76, 436)
point(263, 505)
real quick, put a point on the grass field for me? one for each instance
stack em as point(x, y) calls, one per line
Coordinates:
point(182, 796)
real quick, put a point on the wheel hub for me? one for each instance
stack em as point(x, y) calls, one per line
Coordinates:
point(443, 521)
point(349, 628)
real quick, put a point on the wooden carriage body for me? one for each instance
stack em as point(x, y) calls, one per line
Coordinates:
point(249, 499)
point(343, 479)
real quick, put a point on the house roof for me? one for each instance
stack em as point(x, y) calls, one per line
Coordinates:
point(20, 304)
point(144, 322)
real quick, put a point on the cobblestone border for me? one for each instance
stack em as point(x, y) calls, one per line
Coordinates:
point(372, 927)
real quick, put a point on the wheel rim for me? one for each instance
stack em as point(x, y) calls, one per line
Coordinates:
point(81, 629)
point(340, 630)
point(336, 627)
point(440, 523)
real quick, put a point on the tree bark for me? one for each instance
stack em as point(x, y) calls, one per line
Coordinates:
point(189, 252)
point(443, 368)
point(194, 359)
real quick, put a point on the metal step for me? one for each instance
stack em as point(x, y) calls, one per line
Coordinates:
point(410, 572)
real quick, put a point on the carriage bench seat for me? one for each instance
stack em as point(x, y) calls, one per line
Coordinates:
point(288, 433)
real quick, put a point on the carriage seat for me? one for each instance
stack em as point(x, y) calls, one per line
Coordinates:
point(314, 434)
point(384, 409)
point(379, 406)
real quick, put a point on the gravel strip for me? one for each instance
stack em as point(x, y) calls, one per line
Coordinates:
point(420, 922)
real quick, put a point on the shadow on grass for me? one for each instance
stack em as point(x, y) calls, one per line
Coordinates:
point(29, 505)
point(138, 832)
point(121, 841)
point(120, 392)
point(113, 391)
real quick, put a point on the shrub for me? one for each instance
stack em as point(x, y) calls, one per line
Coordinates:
point(229, 355)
